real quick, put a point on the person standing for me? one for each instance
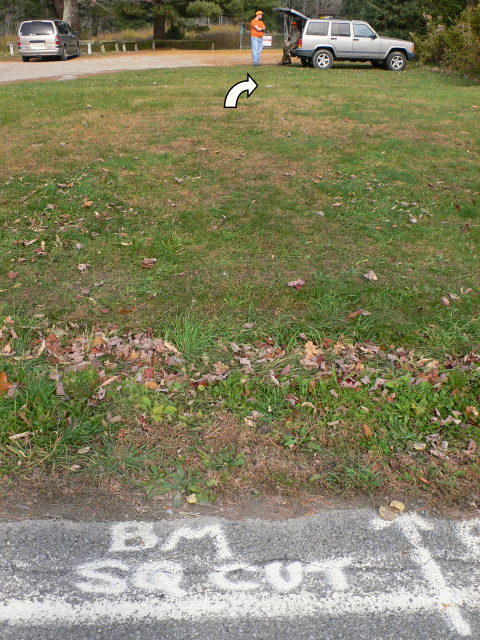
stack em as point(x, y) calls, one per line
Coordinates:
point(257, 30)
point(292, 43)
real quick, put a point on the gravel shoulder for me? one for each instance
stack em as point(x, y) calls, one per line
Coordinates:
point(15, 70)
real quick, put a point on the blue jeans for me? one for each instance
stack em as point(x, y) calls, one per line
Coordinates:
point(257, 45)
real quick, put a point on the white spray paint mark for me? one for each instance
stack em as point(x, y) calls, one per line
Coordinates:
point(293, 570)
point(220, 580)
point(213, 531)
point(469, 533)
point(226, 605)
point(102, 582)
point(333, 571)
point(132, 536)
point(160, 576)
point(442, 595)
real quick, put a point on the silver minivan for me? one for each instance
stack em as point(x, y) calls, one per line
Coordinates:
point(47, 39)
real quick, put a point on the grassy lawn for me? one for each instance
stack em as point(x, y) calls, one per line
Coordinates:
point(322, 177)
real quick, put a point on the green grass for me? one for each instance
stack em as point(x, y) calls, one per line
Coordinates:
point(106, 171)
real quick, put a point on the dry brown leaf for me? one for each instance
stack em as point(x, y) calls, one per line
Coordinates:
point(4, 384)
point(310, 350)
point(148, 263)
point(296, 284)
point(370, 276)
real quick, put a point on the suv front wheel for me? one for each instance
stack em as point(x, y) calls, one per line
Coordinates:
point(322, 59)
point(396, 61)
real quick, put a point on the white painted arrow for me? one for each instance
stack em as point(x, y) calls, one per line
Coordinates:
point(232, 96)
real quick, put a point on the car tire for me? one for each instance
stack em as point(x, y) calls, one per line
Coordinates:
point(77, 50)
point(64, 56)
point(25, 59)
point(396, 61)
point(322, 59)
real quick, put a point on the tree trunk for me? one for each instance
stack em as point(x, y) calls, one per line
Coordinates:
point(159, 28)
point(67, 11)
point(57, 9)
point(75, 23)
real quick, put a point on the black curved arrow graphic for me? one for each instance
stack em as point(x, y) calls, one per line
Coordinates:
point(232, 96)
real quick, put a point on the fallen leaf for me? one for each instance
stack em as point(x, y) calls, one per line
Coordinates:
point(367, 431)
point(4, 384)
point(387, 514)
point(425, 481)
point(83, 267)
point(310, 350)
point(248, 325)
point(150, 384)
point(83, 450)
point(354, 314)
point(87, 203)
point(109, 381)
point(370, 276)
point(296, 284)
point(148, 263)
point(285, 371)
point(105, 311)
point(419, 446)
point(395, 504)
point(18, 436)
point(12, 275)
point(192, 499)
point(60, 389)
point(470, 450)
point(445, 302)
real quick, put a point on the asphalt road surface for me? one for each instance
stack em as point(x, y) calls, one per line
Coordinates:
point(340, 574)
point(16, 70)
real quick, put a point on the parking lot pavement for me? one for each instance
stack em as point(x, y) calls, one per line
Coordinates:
point(15, 70)
point(338, 574)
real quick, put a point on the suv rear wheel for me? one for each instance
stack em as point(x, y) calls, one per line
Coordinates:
point(322, 59)
point(396, 61)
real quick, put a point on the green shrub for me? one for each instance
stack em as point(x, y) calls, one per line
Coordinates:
point(456, 47)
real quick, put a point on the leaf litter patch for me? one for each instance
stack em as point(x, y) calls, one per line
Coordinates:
point(315, 414)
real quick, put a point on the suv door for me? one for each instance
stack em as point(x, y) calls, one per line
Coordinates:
point(366, 43)
point(341, 39)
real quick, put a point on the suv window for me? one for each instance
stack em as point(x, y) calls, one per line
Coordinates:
point(341, 29)
point(317, 29)
point(362, 31)
point(37, 28)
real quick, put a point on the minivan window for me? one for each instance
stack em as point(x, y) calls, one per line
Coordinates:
point(341, 29)
point(62, 29)
point(317, 29)
point(37, 28)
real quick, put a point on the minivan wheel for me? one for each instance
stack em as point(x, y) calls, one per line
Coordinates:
point(322, 59)
point(64, 56)
point(25, 59)
point(77, 51)
point(396, 61)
